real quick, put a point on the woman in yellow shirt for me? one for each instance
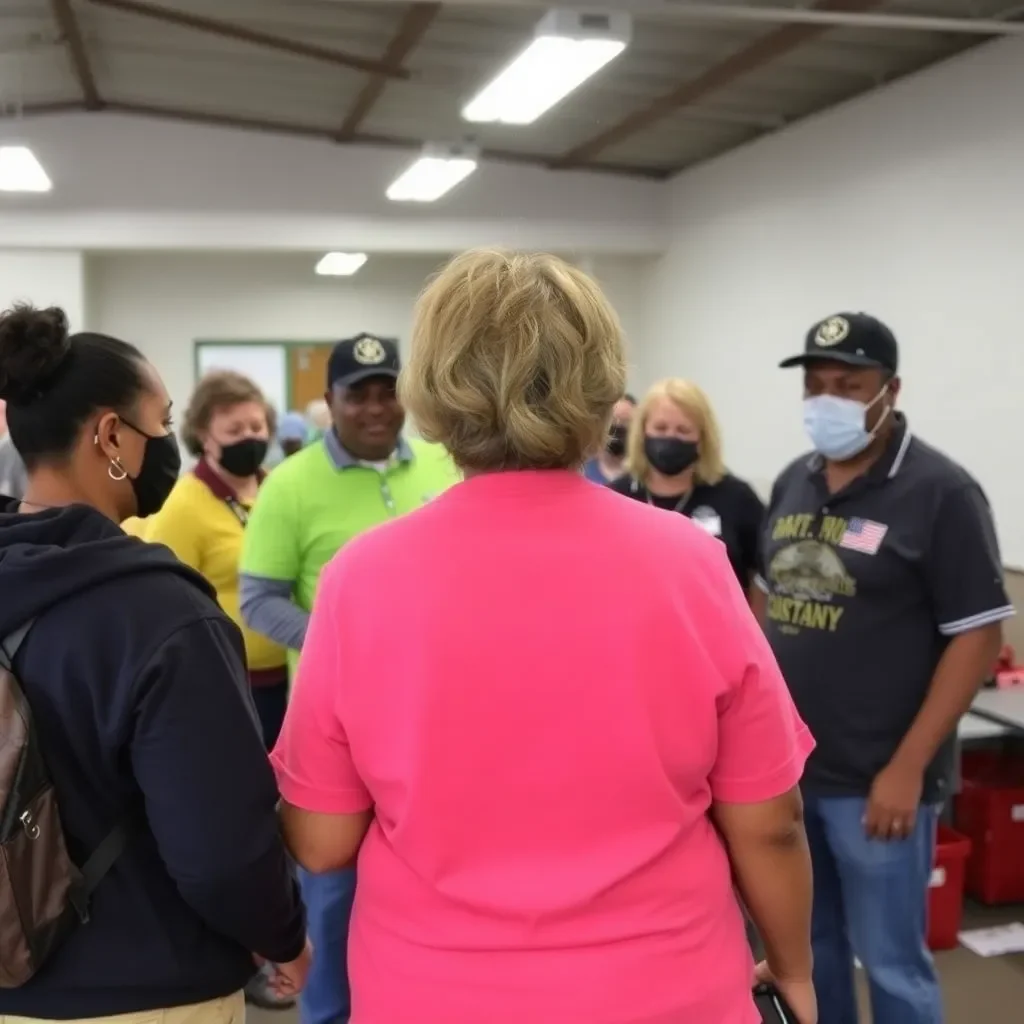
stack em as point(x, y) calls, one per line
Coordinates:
point(227, 426)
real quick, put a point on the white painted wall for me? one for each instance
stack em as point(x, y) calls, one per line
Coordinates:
point(165, 302)
point(906, 204)
point(44, 279)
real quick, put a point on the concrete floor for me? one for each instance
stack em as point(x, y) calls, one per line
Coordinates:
point(977, 990)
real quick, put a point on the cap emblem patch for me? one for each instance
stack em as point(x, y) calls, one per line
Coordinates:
point(832, 331)
point(369, 352)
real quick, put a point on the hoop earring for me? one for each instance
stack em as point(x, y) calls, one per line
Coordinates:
point(113, 476)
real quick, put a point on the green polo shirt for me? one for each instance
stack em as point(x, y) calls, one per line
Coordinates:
point(315, 502)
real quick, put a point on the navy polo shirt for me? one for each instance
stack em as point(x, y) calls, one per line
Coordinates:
point(864, 588)
point(729, 510)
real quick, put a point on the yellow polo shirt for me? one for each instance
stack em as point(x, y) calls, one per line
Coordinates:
point(202, 529)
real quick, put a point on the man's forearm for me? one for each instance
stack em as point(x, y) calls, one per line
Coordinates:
point(962, 669)
point(268, 609)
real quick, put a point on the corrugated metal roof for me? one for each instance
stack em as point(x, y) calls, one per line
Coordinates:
point(188, 71)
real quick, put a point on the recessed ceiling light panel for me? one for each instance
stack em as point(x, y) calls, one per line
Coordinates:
point(340, 264)
point(21, 171)
point(568, 48)
point(438, 170)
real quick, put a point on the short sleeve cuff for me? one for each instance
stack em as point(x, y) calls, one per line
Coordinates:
point(969, 622)
point(759, 788)
point(346, 800)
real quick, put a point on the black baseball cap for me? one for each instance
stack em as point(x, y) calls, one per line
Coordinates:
point(365, 355)
point(852, 338)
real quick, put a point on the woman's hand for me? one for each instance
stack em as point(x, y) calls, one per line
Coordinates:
point(798, 993)
point(287, 981)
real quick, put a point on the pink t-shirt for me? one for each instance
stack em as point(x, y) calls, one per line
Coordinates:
point(540, 687)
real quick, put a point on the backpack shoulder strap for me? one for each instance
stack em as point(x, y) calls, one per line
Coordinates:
point(102, 859)
point(11, 644)
point(95, 869)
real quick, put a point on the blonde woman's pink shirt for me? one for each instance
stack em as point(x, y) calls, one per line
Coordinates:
point(540, 687)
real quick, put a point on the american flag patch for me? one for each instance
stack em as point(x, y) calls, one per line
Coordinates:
point(864, 535)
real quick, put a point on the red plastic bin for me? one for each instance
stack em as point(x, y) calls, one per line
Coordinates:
point(990, 811)
point(946, 889)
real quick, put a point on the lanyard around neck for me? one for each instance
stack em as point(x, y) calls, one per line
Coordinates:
point(680, 505)
point(240, 511)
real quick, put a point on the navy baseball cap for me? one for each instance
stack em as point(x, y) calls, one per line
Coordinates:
point(852, 338)
point(365, 355)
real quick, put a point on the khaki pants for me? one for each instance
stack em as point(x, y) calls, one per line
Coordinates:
point(229, 1010)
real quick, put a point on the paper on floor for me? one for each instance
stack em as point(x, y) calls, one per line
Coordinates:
point(1007, 938)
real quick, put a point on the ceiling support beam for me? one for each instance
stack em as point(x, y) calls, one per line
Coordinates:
point(244, 34)
point(723, 13)
point(752, 57)
point(841, 19)
point(71, 36)
point(411, 29)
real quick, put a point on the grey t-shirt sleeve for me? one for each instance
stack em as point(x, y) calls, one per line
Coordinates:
point(962, 564)
point(268, 608)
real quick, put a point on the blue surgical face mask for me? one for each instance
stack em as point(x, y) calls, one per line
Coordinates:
point(836, 425)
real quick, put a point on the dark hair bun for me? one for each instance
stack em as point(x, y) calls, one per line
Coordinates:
point(33, 345)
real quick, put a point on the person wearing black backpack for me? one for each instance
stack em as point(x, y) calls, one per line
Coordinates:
point(131, 717)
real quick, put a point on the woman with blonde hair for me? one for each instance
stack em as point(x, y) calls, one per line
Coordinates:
point(549, 792)
point(674, 462)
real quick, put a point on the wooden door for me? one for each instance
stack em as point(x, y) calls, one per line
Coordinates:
point(307, 374)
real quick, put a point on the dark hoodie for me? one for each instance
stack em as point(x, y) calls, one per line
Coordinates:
point(137, 683)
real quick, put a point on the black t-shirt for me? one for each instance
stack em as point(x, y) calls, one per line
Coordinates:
point(729, 510)
point(865, 589)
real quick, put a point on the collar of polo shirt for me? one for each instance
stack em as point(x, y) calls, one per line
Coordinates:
point(344, 459)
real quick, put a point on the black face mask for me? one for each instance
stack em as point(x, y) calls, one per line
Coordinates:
point(616, 445)
point(161, 465)
point(670, 455)
point(243, 458)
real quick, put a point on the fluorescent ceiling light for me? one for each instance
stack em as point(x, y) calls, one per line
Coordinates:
point(436, 172)
point(340, 264)
point(20, 171)
point(568, 48)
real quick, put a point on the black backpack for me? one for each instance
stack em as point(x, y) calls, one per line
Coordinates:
point(43, 895)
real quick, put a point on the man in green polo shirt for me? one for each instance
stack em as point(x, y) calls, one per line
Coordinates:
point(362, 473)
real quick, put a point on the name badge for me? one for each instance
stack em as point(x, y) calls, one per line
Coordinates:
point(709, 519)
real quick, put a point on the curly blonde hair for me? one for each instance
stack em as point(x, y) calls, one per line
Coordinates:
point(216, 390)
point(516, 362)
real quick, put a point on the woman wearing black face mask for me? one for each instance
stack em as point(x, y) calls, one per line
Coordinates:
point(674, 461)
point(137, 685)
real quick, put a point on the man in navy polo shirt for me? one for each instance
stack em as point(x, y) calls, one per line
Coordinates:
point(883, 597)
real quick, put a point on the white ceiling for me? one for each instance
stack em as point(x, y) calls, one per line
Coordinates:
point(59, 55)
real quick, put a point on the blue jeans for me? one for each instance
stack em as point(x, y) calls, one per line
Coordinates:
point(871, 901)
point(328, 900)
